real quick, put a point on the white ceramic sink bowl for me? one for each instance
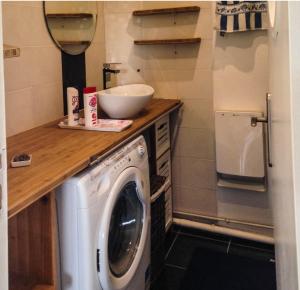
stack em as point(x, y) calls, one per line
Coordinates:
point(126, 101)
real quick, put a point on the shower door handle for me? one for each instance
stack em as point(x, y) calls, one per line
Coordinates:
point(268, 121)
point(269, 125)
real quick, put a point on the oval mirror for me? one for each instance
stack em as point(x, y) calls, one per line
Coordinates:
point(72, 24)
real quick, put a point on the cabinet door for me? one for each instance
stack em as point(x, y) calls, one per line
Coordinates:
point(3, 177)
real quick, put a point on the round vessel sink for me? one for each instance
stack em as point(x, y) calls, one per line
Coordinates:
point(126, 101)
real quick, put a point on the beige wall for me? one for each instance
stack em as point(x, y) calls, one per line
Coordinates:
point(230, 72)
point(240, 82)
point(33, 81)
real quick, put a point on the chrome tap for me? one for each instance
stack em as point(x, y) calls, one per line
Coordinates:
point(107, 71)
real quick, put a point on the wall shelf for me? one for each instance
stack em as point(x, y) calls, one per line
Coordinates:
point(194, 40)
point(186, 9)
point(69, 15)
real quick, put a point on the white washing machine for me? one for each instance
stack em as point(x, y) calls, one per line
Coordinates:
point(104, 224)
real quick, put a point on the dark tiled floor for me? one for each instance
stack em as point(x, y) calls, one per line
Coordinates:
point(181, 243)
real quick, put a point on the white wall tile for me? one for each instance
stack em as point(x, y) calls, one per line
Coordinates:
point(19, 111)
point(195, 200)
point(159, 57)
point(195, 24)
point(160, 26)
point(195, 56)
point(198, 143)
point(198, 114)
point(121, 29)
point(244, 205)
point(45, 65)
point(163, 82)
point(47, 102)
point(33, 81)
point(121, 6)
point(24, 26)
point(241, 72)
point(99, 36)
point(194, 172)
point(194, 84)
point(129, 74)
point(94, 59)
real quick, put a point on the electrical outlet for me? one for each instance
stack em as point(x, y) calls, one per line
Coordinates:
point(11, 51)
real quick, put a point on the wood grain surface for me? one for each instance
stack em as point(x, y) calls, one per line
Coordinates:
point(186, 9)
point(33, 246)
point(194, 40)
point(60, 153)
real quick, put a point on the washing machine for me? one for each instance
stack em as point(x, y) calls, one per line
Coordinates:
point(104, 223)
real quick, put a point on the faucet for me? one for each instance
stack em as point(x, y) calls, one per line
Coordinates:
point(107, 71)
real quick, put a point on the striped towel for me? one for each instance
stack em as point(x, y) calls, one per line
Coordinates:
point(234, 16)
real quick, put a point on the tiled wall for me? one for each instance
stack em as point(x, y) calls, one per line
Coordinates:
point(95, 54)
point(230, 72)
point(33, 81)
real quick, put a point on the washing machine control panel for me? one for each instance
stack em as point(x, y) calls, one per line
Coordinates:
point(130, 155)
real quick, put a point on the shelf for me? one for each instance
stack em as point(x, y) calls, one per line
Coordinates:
point(168, 41)
point(186, 9)
point(33, 246)
point(65, 42)
point(69, 15)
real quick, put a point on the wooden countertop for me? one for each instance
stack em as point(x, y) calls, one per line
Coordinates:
point(60, 153)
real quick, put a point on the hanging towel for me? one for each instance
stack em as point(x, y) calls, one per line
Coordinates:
point(234, 16)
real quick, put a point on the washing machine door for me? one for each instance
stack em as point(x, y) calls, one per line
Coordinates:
point(124, 230)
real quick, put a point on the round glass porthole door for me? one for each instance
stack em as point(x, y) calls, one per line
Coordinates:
point(125, 230)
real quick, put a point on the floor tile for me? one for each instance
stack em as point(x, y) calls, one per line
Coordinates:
point(211, 270)
point(252, 249)
point(253, 244)
point(169, 280)
point(203, 234)
point(184, 246)
point(170, 237)
point(254, 253)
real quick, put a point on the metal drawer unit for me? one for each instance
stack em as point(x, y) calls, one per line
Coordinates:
point(163, 167)
point(162, 136)
point(163, 163)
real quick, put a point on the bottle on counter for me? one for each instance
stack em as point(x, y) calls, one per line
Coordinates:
point(73, 106)
point(90, 106)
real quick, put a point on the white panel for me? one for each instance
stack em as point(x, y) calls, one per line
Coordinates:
point(284, 175)
point(3, 178)
point(239, 146)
